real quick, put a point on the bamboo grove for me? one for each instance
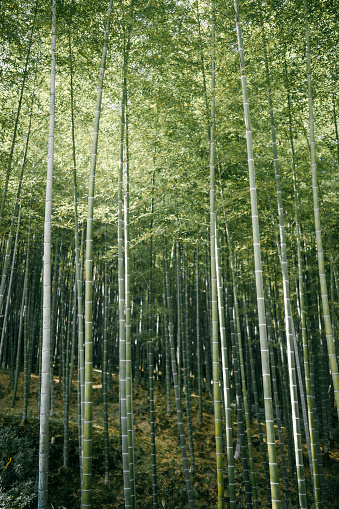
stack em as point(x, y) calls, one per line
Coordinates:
point(186, 234)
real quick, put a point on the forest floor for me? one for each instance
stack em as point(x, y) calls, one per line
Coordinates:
point(64, 483)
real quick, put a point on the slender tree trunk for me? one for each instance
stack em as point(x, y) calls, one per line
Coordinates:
point(46, 342)
point(215, 341)
point(176, 392)
point(87, 447)
point(104, 372)
point(199, 363)
point(291, 345)
point(226, 380)
point(152, 423)
point(273, 467)
point(129, 406)
point(320, 253)
point(4, 334)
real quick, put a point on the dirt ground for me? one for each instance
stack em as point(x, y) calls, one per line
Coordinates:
point(64, 483)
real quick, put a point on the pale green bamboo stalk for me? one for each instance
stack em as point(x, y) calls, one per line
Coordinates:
point(176, 391)
point(214, 302)
point(315, 415)
point(276, 402)
point(291, 344)
point(79, 280)
point(242, 368)
point(81, 353)
point(8, 300)
point(15, 211)
point(316, 479)
point(167, 354)
point(152, 424)
point(241, 442)
point(256, 400)
point(122, 296)
point(26, 333)
point(129, 405)
point(46, 342)
point(87, 442)
point(208, 338)
point(274, 478)
point(226, 380)
point(186, 359)
point(72, 352)
point(284, 382)
point(19, 347)
point(320, 253)
point(65, 383)
point(199, 366)
point(179, 335)
point(104, 369)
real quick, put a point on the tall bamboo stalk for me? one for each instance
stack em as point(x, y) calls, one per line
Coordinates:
point(87, 445)
point(291, 345)
point(274, 479)
point(320, 253)
point(176, 389)
point(214, 303)
point(46, 342)
point(129, 406)
point(225, 378)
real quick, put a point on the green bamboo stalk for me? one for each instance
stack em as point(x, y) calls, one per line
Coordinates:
point(275, 491)
point(78, 303)
point(256, 399)
point(87, 432)
point(152, 424)
point(277, 403)
point(122, 295)
point(46, 342)
point(320, 253)
point(104, 370)
point(129, 406)
point(4, 336)
point(208, 338)
point(26, 337)
point(309, 396)
point(167, 353)
point(66, 376)
point(225, 379)
point(180, 343)
point(19, 346)
point(242, 369)
point(199, 365)
point(176, 391)
point(186, 359)
point(241, 442)
point(214, 302)
point(72, 352)
point(284, 382)
point(15, 210)
point(290, 336)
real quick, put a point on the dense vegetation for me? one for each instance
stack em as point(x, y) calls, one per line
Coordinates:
point(189, 239)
